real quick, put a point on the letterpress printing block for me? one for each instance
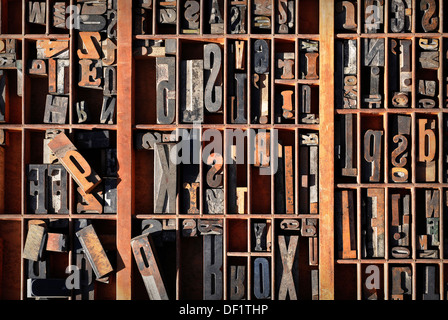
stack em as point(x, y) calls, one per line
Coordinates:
point(209, 226)
point(167, 12)
point(36, 269)
point(166, 89)
point(189, 228)
point(56, 242)
point(35, 243)
point(153, 228)
point(213, 92)
point(349, 20)
point(109, 162)
point(74, 162)
point(401, 282)
point(285, 65)
point(237, 280)
point(287, 104)
point(38, 67)
point(432, 215)
point(238, 17)
point(309, 228)
point(110, 81)
point(91, 22)
point(111, 24)
point(57, 189)
point(82, 112)
point(86, 290)
point(19, 69)
point(279, 180)
point(372, 155)
point(400, 226)
point(374, 53)
point(260, 236)
point(47, 288)
point(212, 267)
point(108, 110)
point(94, 251)
point(193, 193)
point(430, 20)
point(93, 7)
point(427, 146)
point(262, 280)
point(241, 194)
point(429, 283)
point(91, 202)
point(376, 224)
point(147, 265)
point(52, 49)
point(238, 111)
point(214, 175)
point(289, 179)
point(261, 56)
point(346, 228)
point(287, 265)
point(405, 66)
point(305, 107)
point(285, 16)
point(147, 140)
point(350, 58)
point(232, 179)
point(290, 225)
point(348, 145)
point(427, 88)
point(90, 73)
point(59, 15)
point(192, 16)
point(55, 109)
point(402, 15)
point(140, 16)
point(62, 77)
point(261, 97)
point(310, 66)
point(429, 60)
point(400, 169)
point(109, 52)
point(373, 15)
point(3, 95)
point(262, 149)
point(36, 198)
point(165, 179)
point(110, 195)
point(36, 12)
point(48, 155)
point(89, 42)
point(216, 21)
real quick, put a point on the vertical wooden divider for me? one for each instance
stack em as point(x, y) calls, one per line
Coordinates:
point(125, 153)
point(326, 150)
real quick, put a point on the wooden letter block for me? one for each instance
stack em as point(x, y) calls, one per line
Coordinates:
point(350, 14)
point(110, 195)
point(59, 9)
point(110, 81)
point(400, 226)
point(216, 21)
point(55, 109)
point(89, 42)
point(38, 67)
point(214, 201)
point(109, 49)
point(165, 179)
point(74, 162)
point(94, 251)
point(401, 282)
point(373, 155)
point(210, 226)
point(192, 16)
point(289, 179)
point(373, 15)
point(238, 113)
point(213, 93)
point(34, 244)
point(285, 16)
point(36, 12)
point(238, 17)
point(90, 73)
point(36, 198)
point(57, 189)
point(287, 266)
point(47, 288)
point(149, 270)
point(91, 202)
point(260, 236)
point(237, 280)
point(348, 144)
point(262, 149)
point(346, 224)
point(52, 49)
point(427, 146)
point(287, 106)
point(166, 89)
point(261, 56)
point(262, 280)
point(212, 267)
point(400, 169)
point(82, 112)
point(402, 10)
point(108, 109)
point(261, 96)
point(430, 21)
point(189, 228)
point(56, 242)
point(430, 285)
point(285, 63)
point(375, 223)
